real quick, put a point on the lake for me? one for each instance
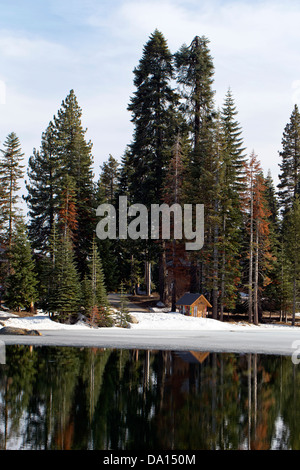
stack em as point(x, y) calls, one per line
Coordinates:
point(60, 398)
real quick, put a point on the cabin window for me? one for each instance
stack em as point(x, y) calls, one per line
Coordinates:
point(195, 311)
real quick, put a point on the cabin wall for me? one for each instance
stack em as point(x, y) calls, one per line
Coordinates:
point(189, 310)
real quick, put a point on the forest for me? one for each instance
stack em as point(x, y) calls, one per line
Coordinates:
point(183, 150)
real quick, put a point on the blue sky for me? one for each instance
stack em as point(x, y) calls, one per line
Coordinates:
point(48, 47)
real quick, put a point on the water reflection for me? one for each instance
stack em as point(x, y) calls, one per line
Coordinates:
point(71, 398)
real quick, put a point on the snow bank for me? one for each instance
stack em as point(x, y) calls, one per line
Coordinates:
point(156, 320)
point(175, 321)
point(40, 322)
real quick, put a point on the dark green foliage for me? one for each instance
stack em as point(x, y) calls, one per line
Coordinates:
point(11, 171)
point(195, 71)
point(21, 284)
point(108, 181)
point(64, 155)
point(153, 108)
point(290, 162)
point(95, 301)
point(292, 251)
point(42, 188)
point(76, 160)
point(123, 316)
point(65, 294)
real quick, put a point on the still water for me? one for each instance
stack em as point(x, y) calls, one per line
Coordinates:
point(71, 398)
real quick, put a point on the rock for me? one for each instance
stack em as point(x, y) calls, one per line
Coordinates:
point(10, 330)
point(133, 319)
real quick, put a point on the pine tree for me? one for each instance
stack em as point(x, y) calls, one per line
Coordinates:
point(107, 192)
point(11, 171)
point(65, 296)
point(123, 315)
point(42, 191)
point(259, 253)
point(292, 250)
point(96, 303)
point(108, 181)
point(195, 71)
point(290, 162)
point(67, 215)
point(273, 289)
point(21, 284)
point(174, 254)
point(154, 116)
point(64, 156)
point(75, 161)
point(232, 182)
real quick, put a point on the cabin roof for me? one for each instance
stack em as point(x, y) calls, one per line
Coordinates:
point(189, 299)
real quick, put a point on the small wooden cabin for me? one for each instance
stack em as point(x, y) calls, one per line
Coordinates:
point(194, 305)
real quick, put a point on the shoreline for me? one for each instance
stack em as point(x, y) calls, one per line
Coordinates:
point(278, 341)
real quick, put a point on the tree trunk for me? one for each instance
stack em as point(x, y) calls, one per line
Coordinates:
point(256, 280)
point(251, 259)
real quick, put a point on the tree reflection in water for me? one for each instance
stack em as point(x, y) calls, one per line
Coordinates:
point(72, 398)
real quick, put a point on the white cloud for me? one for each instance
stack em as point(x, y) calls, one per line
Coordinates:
point(14, 45)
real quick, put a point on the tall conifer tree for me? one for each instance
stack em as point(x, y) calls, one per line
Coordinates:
point(155, 117)
point(65, 155)
point(75, 160)
point(65, 294)
point(290, 162)
point(42, 191)
point(195, 71)
point(232, 183)
point(153, 108)
point(21, 284)
point(11, 171)
point(292, 251)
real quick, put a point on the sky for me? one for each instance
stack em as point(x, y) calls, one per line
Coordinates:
point(48, 47)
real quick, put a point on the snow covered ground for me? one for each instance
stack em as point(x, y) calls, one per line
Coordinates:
point(156, 320)
point(160, 330)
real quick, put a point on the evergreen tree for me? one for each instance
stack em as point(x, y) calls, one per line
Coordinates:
point(11, 171)
point(75, 161)
point(123, 315)
point(174, 255)
point(273, 289)
point(42, 191)
point(232, 182)
point(21, 284)
point(154, 116)
point(257, 216)
point(107, 192)
point(67, 215)
point(292, 250)
point(64, 156)
point(65, 296)
point(96, 303)
point(195, 72)
point(290, 162)
point(108, 181)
